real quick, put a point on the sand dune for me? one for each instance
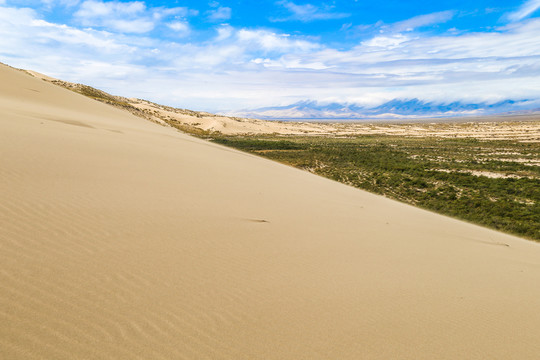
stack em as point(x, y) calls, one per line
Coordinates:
point(124, 239)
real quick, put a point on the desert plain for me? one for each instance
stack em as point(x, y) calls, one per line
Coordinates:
point(121, 238)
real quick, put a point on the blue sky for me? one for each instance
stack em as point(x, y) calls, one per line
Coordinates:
point(239, 54)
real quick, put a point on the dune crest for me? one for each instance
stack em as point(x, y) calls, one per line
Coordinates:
point(124, 239)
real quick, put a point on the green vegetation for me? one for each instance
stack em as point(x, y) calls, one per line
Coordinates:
point(493, 183)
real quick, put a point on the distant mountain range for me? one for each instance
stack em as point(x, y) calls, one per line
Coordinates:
point(394, 109)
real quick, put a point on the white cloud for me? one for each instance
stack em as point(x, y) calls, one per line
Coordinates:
point(131, 26)
point(220, 14)
point(91, 9)
point(386, 42)
point(129, 17)
point(269, 41)
point(408, 25)
point(308, 12)
point(181, 28)
point(423, 20)
point(529, 7)
point(22, 31)
point(224, 32)
point(246, 68)
point(67, 3)
point(179, 12)
point(478, 66)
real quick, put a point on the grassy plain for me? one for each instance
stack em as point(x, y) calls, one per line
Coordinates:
point(492, 183)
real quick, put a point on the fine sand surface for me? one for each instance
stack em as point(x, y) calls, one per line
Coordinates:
point(124, 239)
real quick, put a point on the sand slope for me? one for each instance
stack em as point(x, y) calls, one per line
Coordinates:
point(122, 239)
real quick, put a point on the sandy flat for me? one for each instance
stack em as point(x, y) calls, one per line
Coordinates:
point(124, 239)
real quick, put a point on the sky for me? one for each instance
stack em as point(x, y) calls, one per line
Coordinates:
point(237, 54)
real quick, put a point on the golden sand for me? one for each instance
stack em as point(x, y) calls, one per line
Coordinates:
point(124, 239)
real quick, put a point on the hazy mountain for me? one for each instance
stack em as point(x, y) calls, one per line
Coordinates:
point(396, 108)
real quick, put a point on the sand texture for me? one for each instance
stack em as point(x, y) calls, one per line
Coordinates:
point(124, 239)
